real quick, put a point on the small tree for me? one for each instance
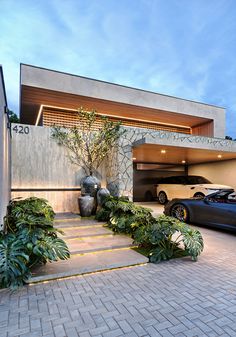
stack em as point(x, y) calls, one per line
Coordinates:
point(88, 143)
point(13, 118)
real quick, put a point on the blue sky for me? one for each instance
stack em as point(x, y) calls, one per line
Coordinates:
point(184, 48)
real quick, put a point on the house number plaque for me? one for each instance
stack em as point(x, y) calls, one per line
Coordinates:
point(21, 129)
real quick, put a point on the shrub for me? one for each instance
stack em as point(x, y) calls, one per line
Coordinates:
point(124, 216)
point(29, 238)
point(164, 237)
point(29, 213)
point(160, 235)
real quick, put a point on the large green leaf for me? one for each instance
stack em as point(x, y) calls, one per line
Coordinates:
point(28, 212)
point(13, 262)
point(193, 242)
point(51, 249)
point(165, 250)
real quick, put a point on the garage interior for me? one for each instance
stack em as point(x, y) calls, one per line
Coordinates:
point(151, 162)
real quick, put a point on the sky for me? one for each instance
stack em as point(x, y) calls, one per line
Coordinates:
point(183, 48)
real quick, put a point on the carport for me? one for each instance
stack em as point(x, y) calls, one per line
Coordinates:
point(154, 158)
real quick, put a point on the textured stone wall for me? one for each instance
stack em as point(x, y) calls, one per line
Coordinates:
point(120, 164)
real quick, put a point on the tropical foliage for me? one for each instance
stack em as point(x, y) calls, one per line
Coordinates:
point(168, 238)
point(164, 237)
point(89, 142)
point(123, 215)
point(29, 238)
point(13, 118)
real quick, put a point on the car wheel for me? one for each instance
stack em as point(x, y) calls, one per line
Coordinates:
point(162, 198)
point(148, 196)
point(199, 195)
point(180, 212)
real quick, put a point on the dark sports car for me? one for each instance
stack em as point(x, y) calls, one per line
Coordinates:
point(217, 210)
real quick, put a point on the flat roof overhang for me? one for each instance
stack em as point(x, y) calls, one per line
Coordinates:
point(174, 155)
point(33, 98)
point(188, 150)
point(40, 86)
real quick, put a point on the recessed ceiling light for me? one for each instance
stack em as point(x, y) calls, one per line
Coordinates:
point(219, 156)
point(183, 161)
point(163, 151)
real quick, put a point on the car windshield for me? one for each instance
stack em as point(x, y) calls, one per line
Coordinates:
point(223, 196)
point(194, 180)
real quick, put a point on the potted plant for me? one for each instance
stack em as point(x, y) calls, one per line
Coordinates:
point(89, 143)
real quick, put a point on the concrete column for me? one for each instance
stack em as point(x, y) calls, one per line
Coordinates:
point(4, 156)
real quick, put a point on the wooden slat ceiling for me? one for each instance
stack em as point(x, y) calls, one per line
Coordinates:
point(32, 98)
point(149, 153)
point(51, 116)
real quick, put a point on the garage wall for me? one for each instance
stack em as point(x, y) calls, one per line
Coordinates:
point(4, 152)
point(223, 172)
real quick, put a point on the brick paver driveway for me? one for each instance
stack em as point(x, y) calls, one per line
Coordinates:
point(177, 298)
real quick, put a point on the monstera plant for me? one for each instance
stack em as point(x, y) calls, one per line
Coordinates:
point(88, 144)
point(29, 238)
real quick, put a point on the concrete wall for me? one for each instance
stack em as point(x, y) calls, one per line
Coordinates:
point(220, 172)
point(4, 152)
point(41, 167)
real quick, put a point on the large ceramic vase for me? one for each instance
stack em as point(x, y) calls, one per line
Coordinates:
point(86, 205)
point(89, 187)
point(101, 195)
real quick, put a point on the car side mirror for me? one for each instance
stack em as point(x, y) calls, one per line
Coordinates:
point(206, 200)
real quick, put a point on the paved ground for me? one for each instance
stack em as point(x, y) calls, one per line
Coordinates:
point(178, 298)
point(154, 205)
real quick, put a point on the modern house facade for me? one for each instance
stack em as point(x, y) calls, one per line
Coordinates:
point(164, 135)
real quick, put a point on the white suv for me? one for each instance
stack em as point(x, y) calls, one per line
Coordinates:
point(185, 187)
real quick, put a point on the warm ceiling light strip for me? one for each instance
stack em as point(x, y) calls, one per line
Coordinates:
point(39, 115)
point(67, 119)
point(108, 115)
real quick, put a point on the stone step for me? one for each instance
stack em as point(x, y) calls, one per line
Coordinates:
point(67, 215)
point(81, 245)
point(84, 231)
point(87, 263)
point(76, 223)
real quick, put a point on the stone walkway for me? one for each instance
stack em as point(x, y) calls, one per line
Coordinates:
point(93, 247)
point(179, 298)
